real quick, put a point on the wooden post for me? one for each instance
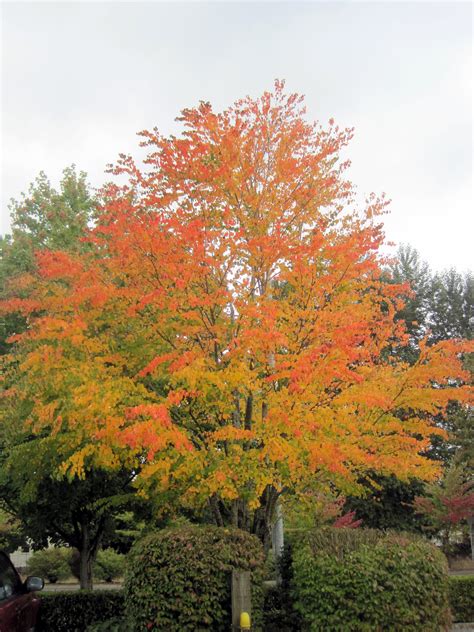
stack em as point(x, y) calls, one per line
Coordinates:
point(241, 597)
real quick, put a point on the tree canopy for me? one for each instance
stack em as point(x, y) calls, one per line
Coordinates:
point(229, 328)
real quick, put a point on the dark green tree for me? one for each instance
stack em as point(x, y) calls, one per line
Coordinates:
point(410, 269)
point(43, 219)
point(80, 512)
point(451, 315)
point(451, 306)
point(388, 504)
point(440, 306)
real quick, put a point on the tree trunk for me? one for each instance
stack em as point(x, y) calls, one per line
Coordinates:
point(86, 558)
point(263, 517)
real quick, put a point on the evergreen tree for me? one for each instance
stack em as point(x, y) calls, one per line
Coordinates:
point(42, 219)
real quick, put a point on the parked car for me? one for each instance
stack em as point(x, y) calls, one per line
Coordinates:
point(19, 603)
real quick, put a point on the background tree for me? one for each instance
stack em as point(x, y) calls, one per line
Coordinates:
point(451, 315)
point(229, 331)
point(441, 306)
point(387, 503)
point(12, 535)
point(448, 503)
point(44, 218)
point(79, 511)
point(451, 306)
point(409, 269)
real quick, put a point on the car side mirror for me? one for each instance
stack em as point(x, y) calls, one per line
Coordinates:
point(33, 584)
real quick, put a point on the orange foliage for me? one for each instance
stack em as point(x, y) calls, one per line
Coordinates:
point(230, 328)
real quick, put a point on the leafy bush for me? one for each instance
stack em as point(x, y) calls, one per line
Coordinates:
point(109, 565)
point(74, 611)
point(394, 583)
point(179, 579)
point(51, 564)
point(339, 542)
point(117, 624)
point(461, 597)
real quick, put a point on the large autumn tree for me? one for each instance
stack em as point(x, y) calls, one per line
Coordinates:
point(229, 329)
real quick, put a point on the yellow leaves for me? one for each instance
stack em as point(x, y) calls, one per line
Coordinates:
point(76, 464)
point(46, 415)
point(230, 433)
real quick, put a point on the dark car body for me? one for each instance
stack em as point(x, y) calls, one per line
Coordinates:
point(19, 604)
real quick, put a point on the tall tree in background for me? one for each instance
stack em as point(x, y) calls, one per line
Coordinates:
point(229, 331)
point(440, 306)
point(451, 306)
point(44, 218)
point(451, 316)
point(409, 269)
point(445, 504)
point(76, 511)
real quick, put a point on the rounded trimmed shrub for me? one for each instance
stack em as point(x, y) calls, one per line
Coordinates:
point(394, 583)
point(109, 565)
point(51, 564)
point(179, 579)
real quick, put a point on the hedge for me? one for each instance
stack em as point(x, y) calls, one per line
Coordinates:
point(74, 611)
point(179, 579)
point(461, 597)
point(393, 583)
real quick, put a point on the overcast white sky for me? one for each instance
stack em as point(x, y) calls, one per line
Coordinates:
point(79, 79)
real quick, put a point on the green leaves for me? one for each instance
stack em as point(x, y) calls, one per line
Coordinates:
point(391, 584)
point(178, 579)
point(461, 597)
point(75, 611)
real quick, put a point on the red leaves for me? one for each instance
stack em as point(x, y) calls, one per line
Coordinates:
point(156, 362)
point(154, 432)
point(459, 507)
point(347, 521)
point(158, 412)
point(449, 501)
point(58, 264)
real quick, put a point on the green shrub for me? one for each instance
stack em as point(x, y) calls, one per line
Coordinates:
point(74, 611)
point(339, 542)
point(461, 597)
point(117, 624)
point(394, 583)
point(51, 564)
point(109, 565)
point(179, 579)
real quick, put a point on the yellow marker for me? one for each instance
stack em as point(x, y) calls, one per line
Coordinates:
point(244, 621)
